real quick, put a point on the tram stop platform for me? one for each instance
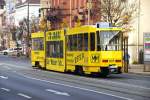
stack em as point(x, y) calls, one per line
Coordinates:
point(139, 69)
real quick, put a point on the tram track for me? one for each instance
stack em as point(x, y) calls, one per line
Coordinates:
point(98, 84)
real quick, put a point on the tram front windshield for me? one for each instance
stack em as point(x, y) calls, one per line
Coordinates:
point(108, 40)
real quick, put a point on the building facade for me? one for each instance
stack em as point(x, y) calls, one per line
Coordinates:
point(2, 12)
point(16, 12)
point(3, 40)
point(140, 26)
point(21, 10)
point(70, 12)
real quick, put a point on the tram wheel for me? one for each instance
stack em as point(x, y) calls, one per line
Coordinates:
point(104, 72)
point(79, 70)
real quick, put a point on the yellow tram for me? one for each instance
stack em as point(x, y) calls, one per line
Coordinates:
point(38, 50)
point(83, 50)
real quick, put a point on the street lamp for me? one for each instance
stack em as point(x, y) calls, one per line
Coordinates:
point(139, 9)
point(70, 13)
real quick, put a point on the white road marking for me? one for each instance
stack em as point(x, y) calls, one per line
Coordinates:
point(57, 92)
point(16, 66)
point(76, 87)
point(5, 89)
point(3, 77)
point(24, 95)
point(7, 67)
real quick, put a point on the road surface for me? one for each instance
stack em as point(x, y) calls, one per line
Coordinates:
point(19, 81)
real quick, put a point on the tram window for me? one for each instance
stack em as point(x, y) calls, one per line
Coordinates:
point(37, 44)
point(50, 49)
point(98, 41)
point(77, 42)
point(47, 50)
point(80, 42)
point(55, 49)
point(61, 49)
point(85, 42)
point(92, 41)
point(74, 43)
point(69, 43)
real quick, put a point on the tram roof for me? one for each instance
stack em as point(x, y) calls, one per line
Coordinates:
point(86, 29)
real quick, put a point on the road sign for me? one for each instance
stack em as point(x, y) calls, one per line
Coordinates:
point(147, 47)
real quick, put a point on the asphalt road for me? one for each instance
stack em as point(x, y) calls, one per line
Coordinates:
point(19, 81)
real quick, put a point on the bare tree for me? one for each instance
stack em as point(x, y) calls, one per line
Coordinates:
point(118, 12)
point(13, 30)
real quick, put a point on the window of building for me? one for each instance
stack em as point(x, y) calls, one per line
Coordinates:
point(1, 6)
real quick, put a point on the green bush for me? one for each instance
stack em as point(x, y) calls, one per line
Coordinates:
point(134, 62)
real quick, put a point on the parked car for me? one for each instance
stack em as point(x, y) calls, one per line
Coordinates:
point(13, 51)
point(7, 51)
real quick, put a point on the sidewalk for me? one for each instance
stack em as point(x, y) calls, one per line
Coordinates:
point(139, 69)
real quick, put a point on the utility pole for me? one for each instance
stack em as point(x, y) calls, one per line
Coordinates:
point(139, 12)
point(28, 38)
point(70, 13)
point(89, 5)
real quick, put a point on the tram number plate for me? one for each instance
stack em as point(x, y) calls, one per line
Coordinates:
point(112, 67)
point(112, 70)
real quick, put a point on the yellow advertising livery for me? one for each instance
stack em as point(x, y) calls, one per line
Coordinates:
point(82, 50)
point(38, 50)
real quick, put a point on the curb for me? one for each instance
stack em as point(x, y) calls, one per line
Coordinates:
point(145, 74)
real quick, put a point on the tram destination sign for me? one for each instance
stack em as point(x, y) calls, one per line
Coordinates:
point(147, 47)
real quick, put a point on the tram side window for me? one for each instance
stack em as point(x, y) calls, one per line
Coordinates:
point(37, 44)
point(74, 43)
point(69, 42)
point(61, 49)
point(55, 49)
point(85, 42)
point(80, 42)
point(92, 41)
point(50, 47)
point(98, 41)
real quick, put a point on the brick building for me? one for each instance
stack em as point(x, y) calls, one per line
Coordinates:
point(2, 24)
point(2, 11)
point(71, 11)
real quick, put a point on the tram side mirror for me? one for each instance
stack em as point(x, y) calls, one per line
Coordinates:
point(97, 25)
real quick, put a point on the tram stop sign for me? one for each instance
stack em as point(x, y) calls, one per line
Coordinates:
point(147, 47)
